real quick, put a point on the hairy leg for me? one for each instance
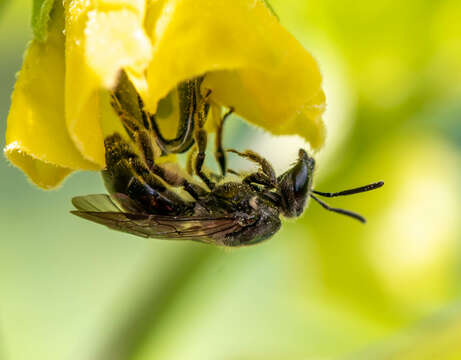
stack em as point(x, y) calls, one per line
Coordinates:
point(265, 166)
point(201, 143)
point(190, 102)
point(220, 154)
point(259, 178)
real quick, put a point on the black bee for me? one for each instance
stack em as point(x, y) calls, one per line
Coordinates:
point(144, 199)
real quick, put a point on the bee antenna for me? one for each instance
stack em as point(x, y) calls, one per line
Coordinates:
point(340, 211)
point(360, 189)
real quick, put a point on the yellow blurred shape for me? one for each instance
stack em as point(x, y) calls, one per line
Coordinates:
point(446, 35)
point(414, 243)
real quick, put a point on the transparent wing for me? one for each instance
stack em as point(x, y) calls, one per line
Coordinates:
point(96, 202)
point(106, 203)
point(103, 210)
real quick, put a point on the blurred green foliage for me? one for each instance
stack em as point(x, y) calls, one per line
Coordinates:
point(324, 287)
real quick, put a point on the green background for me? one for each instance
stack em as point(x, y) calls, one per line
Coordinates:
point(325, 287)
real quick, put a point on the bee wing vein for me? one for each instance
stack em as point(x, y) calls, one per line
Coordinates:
point(177, 227)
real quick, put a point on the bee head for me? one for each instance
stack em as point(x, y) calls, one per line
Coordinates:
point(295, 185)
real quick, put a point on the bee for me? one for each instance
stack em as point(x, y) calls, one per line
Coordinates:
point(144, 200)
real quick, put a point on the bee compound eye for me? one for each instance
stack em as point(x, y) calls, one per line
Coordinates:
point(300, 180)
point(295, 185)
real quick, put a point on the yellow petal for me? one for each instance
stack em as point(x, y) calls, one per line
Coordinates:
point(116, 40)
point(102, 37)
point(36, 138)
point(135, 6)
point(253, 64)
point(43, 174)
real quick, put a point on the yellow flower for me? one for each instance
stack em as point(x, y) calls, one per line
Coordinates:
point(60, 106)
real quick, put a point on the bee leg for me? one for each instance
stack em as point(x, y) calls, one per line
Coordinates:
point(144, 142)
point(219, 149)
point(215, 177)
point(259, 178)
point(181, 143)
point(233, 172)
point(144, 115)
point(190, 102)
point(173, 178)
point(190, 161)
point(126, 173)
point(168, 175)
point(266, 167)
point(201, 142)
point(128, 121)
